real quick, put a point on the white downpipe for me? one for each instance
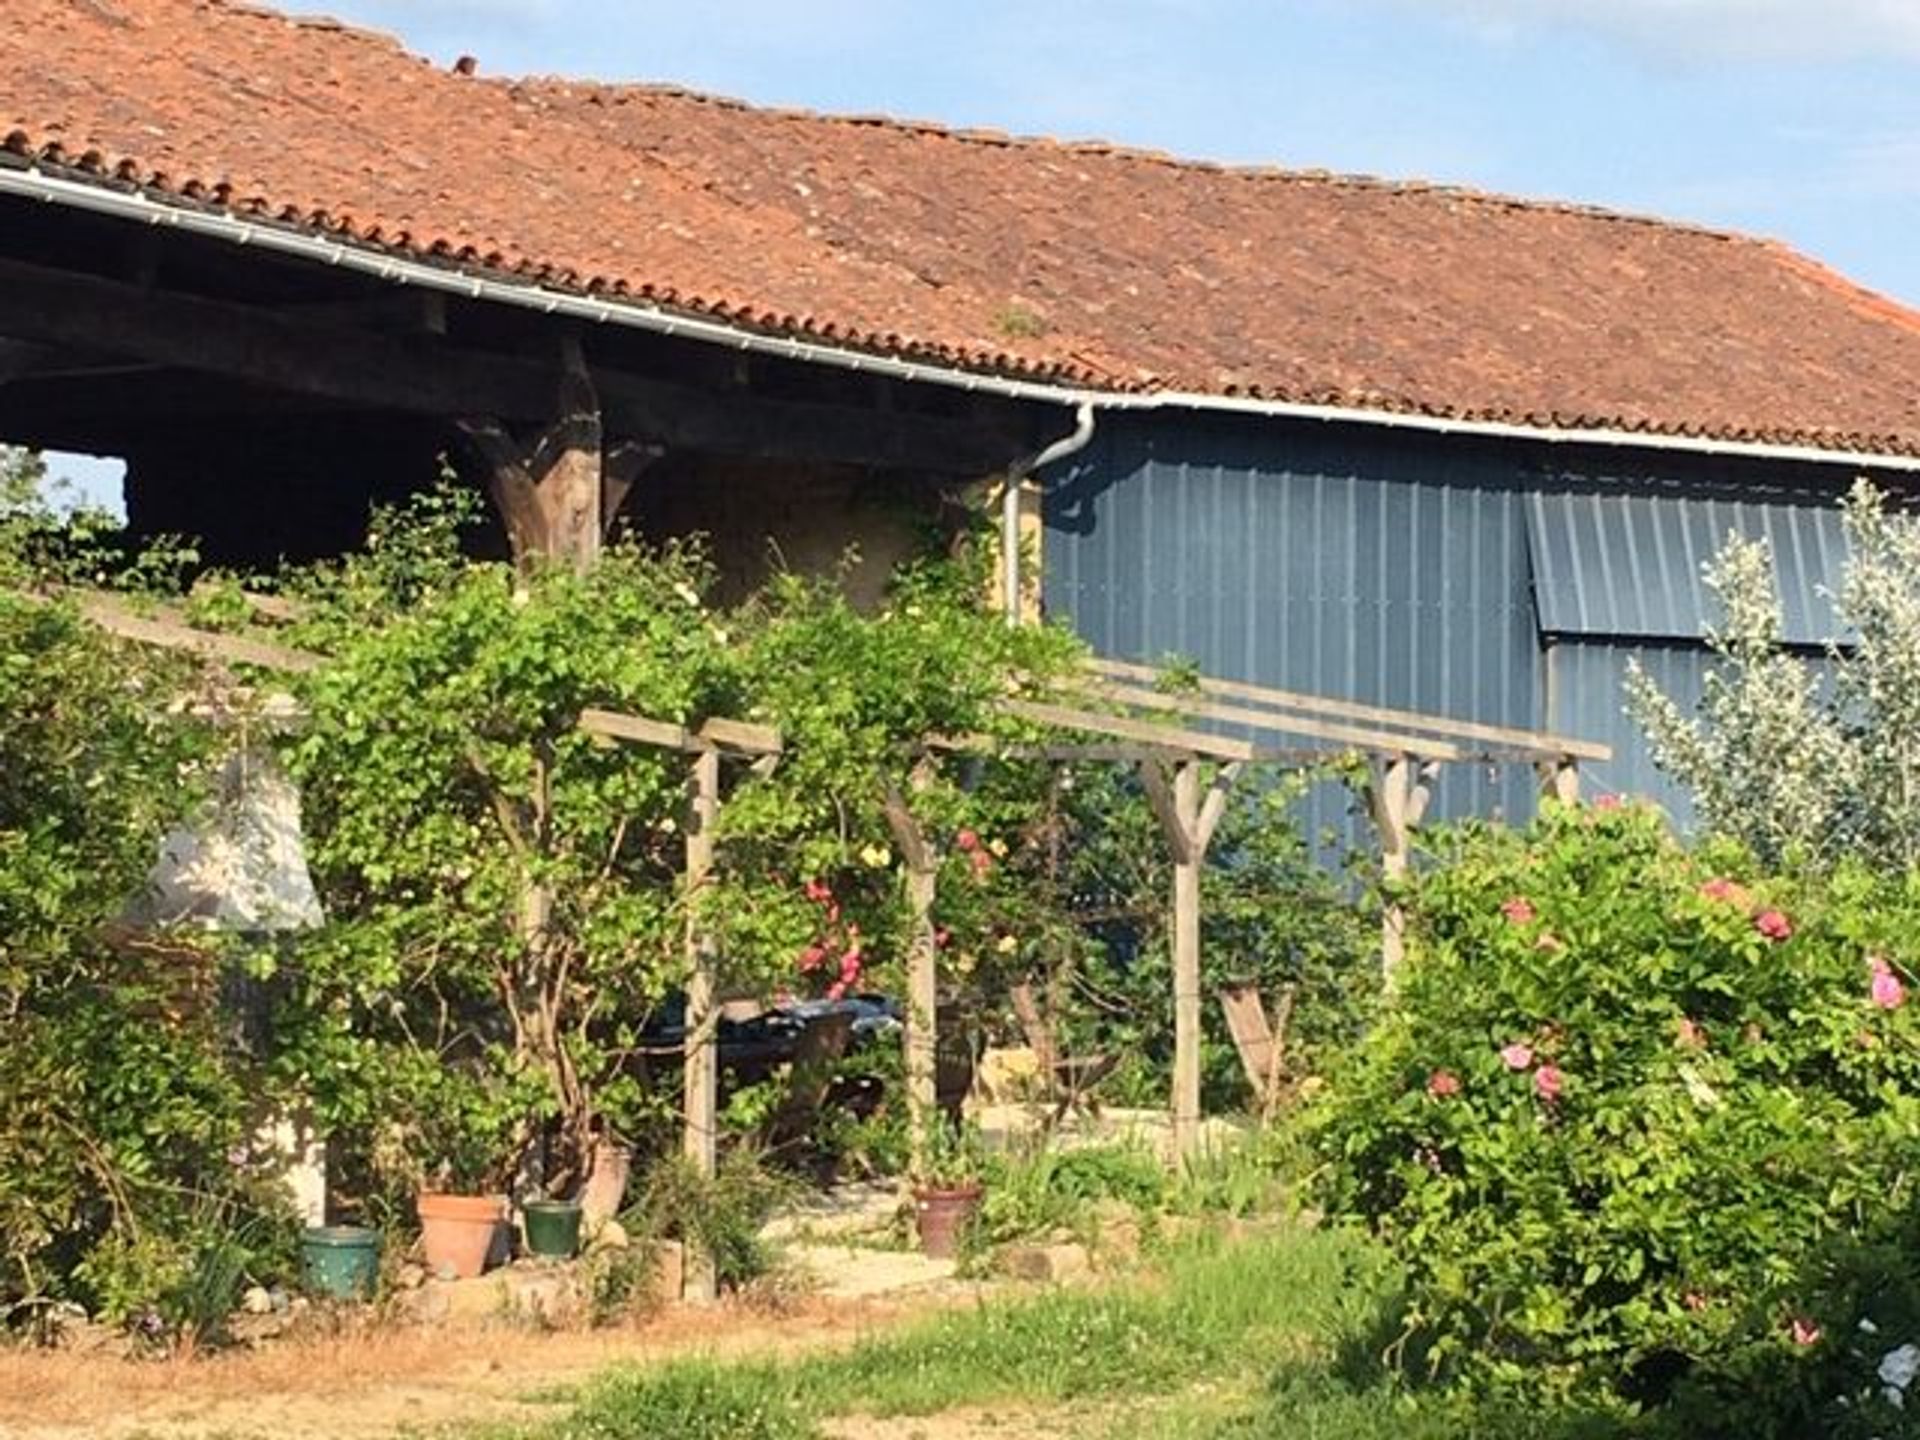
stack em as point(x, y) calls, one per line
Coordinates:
point(1069, 444)
point(32, 183)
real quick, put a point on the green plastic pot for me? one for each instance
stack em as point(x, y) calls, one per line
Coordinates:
point(553, 1227)
point(342, 1262)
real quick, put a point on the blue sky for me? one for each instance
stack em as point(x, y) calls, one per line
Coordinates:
point(1798, 119)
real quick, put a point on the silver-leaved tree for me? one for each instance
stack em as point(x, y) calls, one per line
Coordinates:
point(1797, 764)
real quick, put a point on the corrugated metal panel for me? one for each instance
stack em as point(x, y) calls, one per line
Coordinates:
point(1341, 565)
point(1352, 563)
point(1628, 565)
point(1586, 680)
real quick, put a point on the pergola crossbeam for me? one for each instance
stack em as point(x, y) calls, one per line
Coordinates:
point(1400, 730)
point(734, 738)
point(165, 627)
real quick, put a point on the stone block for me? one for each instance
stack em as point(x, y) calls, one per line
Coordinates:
point(1046, 1264)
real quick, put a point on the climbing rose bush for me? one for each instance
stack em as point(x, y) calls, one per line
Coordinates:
point(1621, 1095)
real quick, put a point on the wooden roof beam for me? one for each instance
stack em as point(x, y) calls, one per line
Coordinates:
point(425, 374)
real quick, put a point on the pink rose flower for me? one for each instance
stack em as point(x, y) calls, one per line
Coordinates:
point(1517, 1056)
point(811, 957)
point(1694, 1301)
point(1443, 1083)
point(1887, 991)
point(1721, 888)
point(1804, 1331)
point(837, 990)
point(1607, 802)
point(967, 840)
point(1517, 910)
point(1690, 1036)
point(1773, 925)
point(1546, 1083)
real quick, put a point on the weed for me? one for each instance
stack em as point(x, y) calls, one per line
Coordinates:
point(722, 1215)
point(1017, 322)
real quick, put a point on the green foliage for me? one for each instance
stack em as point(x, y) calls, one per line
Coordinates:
point(502, 885)
point(1040, 1188)
point(122, 1097)
point(722, 1216)
point(1792, 766)
point(1859, 1304)
point(1622, 1094)
point(954, 1156)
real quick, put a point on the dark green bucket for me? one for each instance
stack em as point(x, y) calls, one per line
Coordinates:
point(342, 1262)
point(553, 1227)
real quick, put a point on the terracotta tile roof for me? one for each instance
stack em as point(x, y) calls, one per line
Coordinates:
point(1087, 264)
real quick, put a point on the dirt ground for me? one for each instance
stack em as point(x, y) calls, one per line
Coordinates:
point(378, 1383)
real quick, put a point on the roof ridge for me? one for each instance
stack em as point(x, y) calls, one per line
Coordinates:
point(1875, 303)
point(1119, 150)
point(367, 34)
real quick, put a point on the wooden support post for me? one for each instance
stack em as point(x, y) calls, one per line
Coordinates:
point(923, 978)
point(702, 1078)
point(549, 492)
point(624, 464)
point(1561, 780)
point(1186, 964)
point(1188, 821)
point(1392, 802)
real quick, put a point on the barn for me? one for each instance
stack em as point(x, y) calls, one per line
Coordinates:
point(1388, 441)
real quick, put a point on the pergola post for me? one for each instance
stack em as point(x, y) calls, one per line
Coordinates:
point(1561, 780)
point(1186, 962)
point(700, 1048)
point(922, 862)
point(1188, 821)
point(702, 1069)
point(1398, 800)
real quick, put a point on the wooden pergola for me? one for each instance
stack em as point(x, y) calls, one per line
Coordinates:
point(1141, 722)
point(1145, 724)
point(706, 745)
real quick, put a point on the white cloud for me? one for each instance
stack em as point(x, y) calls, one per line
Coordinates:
point(1814, 30)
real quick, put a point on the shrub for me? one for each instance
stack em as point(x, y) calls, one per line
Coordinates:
point(120, 1098)
point(1776, 757)
point(721, 1215)
point(1621, 1096)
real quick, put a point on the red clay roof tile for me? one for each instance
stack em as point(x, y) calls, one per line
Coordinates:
point(1085, 263)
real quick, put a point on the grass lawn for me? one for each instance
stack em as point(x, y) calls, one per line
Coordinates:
point(1277, 1335)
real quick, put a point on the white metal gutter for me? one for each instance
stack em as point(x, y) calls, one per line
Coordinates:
point(31, 182)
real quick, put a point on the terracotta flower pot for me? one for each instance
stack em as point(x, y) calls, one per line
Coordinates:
point(457, 1231)
point(941, 1215)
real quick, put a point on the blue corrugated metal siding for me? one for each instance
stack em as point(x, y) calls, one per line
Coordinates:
point(1397, 569)
point(1312, 565)
point(1628, 565)
point(1585, 681)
